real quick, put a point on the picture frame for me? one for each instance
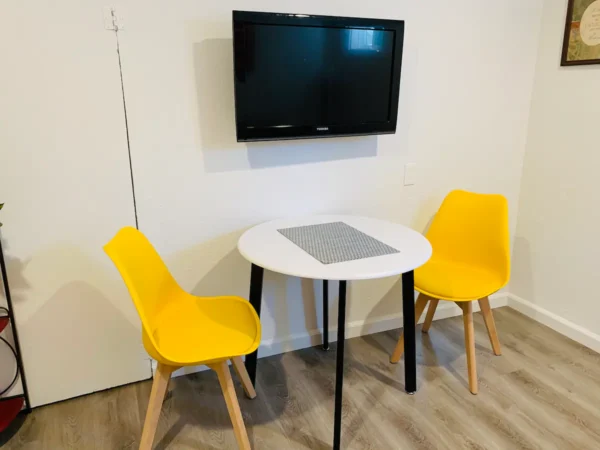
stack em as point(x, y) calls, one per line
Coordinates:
point(581, 44)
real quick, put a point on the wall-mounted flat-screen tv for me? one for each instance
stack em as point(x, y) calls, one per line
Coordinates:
point(303, 76)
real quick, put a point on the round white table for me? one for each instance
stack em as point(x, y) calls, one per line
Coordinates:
point(266, 248)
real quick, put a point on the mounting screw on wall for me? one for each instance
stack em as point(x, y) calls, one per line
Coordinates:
point(112, 20)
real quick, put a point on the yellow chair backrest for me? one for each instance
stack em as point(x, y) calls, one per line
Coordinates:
point(473, 228)
point(149, 281)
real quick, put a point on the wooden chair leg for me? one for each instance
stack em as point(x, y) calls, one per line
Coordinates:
point(488, 318)
point(467, 308)
point(242, 373)
point(430, 313)
point(233, 406)
point(157, 396)
point(419, 308)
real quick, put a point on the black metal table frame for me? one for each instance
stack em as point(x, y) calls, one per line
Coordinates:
point(410, 352)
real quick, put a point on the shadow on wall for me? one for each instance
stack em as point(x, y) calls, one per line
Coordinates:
point(521, 272)
point(67, 318)
point(389, 307)
point(17, 282)
point(213, 67)
point(87, 320)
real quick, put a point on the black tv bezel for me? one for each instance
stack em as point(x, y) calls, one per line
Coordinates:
point(273, 133)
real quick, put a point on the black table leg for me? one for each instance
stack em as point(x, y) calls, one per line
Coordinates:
point(339, 369)
point(325, 315)
point(410, 349)
point(256, 283)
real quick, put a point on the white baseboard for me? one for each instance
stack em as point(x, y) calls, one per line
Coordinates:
point(554, 321)
point(357, 328)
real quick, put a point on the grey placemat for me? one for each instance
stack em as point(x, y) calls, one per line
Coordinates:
point(336, 242)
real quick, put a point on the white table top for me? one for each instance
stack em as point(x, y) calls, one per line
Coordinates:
point(264, 246)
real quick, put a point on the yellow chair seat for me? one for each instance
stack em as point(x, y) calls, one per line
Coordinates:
point(471, 251)
point(456, 281)
point(192, 330)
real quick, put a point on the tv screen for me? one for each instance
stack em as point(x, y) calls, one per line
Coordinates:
point(299, 76)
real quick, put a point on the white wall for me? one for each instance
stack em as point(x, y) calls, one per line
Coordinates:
point(466, 87)
point(65, 179)
point(557, 248)
point(465, 95)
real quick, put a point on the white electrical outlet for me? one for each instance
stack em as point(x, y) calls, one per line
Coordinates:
point(410, 174)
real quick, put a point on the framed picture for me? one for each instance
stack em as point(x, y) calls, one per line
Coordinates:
point(582, 33)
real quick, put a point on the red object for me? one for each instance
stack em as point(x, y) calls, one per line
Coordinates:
point(3, 323)
point(9, 409)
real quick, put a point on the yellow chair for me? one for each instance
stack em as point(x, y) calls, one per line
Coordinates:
point(470, 261)
point(180, 329)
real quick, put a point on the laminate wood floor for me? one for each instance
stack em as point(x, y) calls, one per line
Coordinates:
point(543, 393)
